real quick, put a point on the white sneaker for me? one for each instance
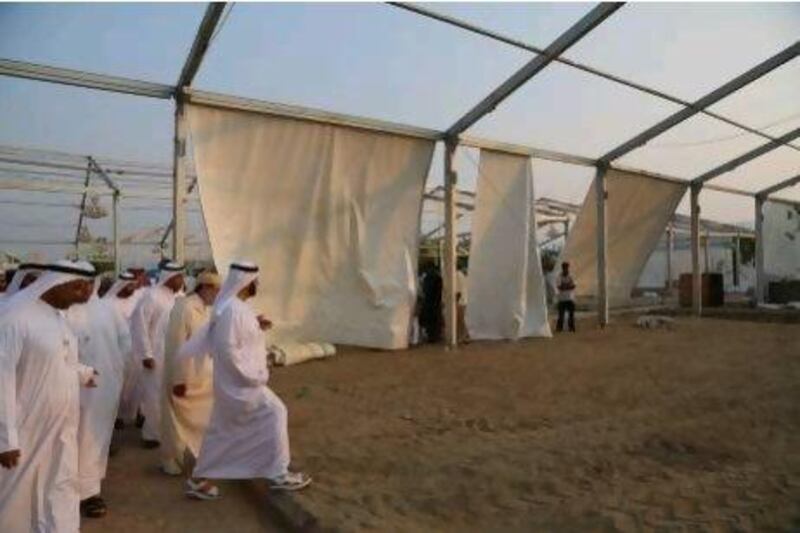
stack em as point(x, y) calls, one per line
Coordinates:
point(290, 481)
point(204, 490)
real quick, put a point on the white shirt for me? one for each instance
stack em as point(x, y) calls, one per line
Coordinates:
point(461, 287)
point(565, 295)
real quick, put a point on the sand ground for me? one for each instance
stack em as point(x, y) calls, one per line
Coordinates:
point(694, 428)
point(141, 499)
point(697, 428)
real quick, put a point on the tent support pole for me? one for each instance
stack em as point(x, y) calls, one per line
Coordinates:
point(450, 179)
point(83, 207)
point(602, 250)
point(760, 277)
point(697, 283)
point(737, 241)
point(115, 230)
point(179, 185)
point(670, 246)
point(706, 257)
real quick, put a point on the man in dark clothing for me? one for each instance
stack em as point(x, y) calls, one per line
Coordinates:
point(430, 317)
point(566, 298)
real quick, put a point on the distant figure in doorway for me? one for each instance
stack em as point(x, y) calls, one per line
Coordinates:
point(430, 317)
point(461, 303)
point(566, 298)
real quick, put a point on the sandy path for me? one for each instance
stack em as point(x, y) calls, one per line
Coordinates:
point(142, 500)
point(695, 428)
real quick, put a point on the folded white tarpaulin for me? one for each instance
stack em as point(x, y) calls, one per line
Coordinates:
point(781, 240)
point(637, 211)
point(330, 214)
point(506, 286)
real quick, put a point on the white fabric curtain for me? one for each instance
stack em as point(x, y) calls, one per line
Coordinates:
point(637, 211)
point(330, 214)
point(506, 286)
point(781, 240)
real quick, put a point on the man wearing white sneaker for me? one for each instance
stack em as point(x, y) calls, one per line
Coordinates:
point(247, 436)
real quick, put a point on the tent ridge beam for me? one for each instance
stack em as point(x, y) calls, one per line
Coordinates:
point(89, 80)
point(708, 100)
point(574, 34)
point(744, 158)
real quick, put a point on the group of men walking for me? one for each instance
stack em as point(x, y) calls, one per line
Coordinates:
point(73, 362)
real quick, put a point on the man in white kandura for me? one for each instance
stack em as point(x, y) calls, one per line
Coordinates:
point(40, 378)
point(25, 275)
point(121, 297)
point(121, 293)
point(247, 436)
point(148, 328)
point(103, 344)
point(188, 382)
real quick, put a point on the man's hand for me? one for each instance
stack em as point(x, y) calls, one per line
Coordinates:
point(9, 459)
point(179, 390)
point(149, 363)
point(264, 323)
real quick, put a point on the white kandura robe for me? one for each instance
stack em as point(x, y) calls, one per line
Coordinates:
point(130, 398)
point(247, 436)
point(148, 328)
point(40, 377)
point(104, 344)
point(184, 420)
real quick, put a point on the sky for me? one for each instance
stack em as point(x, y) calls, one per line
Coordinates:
point(379, 61)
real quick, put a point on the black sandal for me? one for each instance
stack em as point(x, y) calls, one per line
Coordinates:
point(93, 507)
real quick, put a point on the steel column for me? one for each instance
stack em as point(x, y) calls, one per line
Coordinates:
point(670, 245)
point(601, 198)
point(179, 186)
point(760, 275)
point(697, 282)
point(115, 231)
point(450, 256)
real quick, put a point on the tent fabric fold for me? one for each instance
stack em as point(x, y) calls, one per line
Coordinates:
point(638, 209)
point(329, 213)
point(506, 287)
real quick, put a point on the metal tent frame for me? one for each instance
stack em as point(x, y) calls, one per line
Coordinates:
point(182, 93)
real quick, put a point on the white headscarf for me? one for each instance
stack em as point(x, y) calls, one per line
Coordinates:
point(124, 279)
point(240, 275)
point(23, 270)
point(169, 270)
point(53, 275)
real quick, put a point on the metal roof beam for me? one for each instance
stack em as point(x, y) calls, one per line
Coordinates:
point(708, 100)
point(472, 28)
point(791, 182)
point(224, 101)
point(201, 42)
point(744, 158)
point(574, 34)
point(89, 80)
